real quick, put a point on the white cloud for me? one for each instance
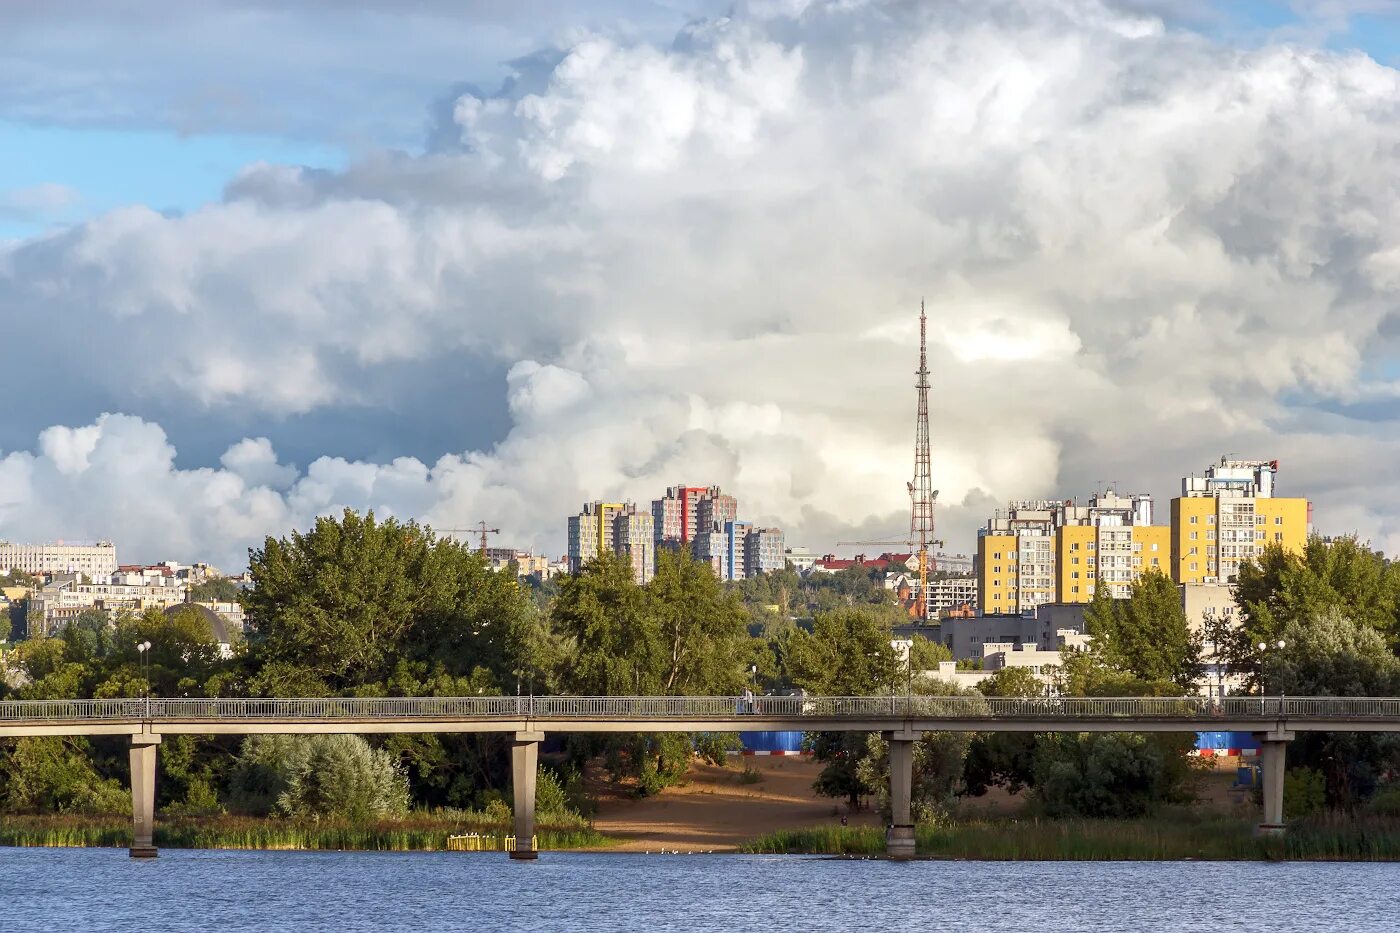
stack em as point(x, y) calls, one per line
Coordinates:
point(702, 262)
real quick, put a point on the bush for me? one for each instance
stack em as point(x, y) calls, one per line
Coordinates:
point(1113, 775)
point(1385, 803)
point(319, 775)
point(1304, 793)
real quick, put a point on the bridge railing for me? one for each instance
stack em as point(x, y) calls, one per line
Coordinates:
point(735, 708)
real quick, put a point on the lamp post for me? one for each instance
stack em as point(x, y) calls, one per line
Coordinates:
point(1264, 646)
point(143, 650)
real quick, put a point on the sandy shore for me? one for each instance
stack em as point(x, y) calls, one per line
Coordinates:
point(716, 811)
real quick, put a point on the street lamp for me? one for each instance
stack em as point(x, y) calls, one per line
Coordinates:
point(143, 650)
point(1264, 646)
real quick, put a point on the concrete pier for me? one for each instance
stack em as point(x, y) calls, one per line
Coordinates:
point(899, 838)
point(143, 794)
point(1273, 748)
point(524, 760)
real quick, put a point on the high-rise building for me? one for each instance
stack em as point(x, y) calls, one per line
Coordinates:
point(715, 509)
point(763, 551)
point(98, 561)
point(712, 547)
point(1049, 551)
point(614, 528)
point(686, 511)
point(1227, 516)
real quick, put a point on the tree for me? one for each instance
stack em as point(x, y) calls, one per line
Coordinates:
point(616, 644)
point(701, 627)
point(926, 655)
point(214, 590)
point(335, 609)
point(847, 653)
point(6, 627)
point(317, 775)
point(1333, 655)
point(1279, 586)
point(1110, 775)
point(1003, 758)
point(1147, 634)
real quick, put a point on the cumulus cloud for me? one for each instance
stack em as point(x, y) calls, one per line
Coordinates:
point(701, 261)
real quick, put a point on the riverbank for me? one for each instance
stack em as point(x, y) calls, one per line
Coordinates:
point(427, 832)
point(1171, 837)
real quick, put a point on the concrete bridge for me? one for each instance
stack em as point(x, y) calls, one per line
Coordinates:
point(901, 719)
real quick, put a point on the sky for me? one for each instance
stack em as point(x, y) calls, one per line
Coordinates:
point(461, 261)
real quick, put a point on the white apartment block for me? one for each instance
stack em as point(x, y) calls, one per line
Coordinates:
point(98, 561)
point(53, 606)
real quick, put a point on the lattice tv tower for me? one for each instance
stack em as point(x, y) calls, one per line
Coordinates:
point(921, 491)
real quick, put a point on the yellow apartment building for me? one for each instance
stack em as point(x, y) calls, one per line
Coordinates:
point(1227, 516)
point(1041, 551)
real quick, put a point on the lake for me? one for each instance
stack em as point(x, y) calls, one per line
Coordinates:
point(102, 889)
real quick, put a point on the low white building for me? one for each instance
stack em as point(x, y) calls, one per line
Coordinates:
point(96, 561)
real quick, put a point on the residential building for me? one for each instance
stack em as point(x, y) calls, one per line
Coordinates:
point(1043, 551)
point(54, 605)
point(96, 561)
point(763, 551)
point(801, 559)
point(956, 564)
point(676, 516)
point(1206, 605)
point(527, 563)
point(1228, 516)
point(1051, 627)
point(946, 594)
point(712, 547)
point(613, 528)
point(715, 509)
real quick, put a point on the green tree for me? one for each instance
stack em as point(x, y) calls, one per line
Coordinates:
point(215, 590)
point(1111, 775)
point(1003, 758)
point(55, 773)
point(616, 644)
point(6, 627)
point(1147, 634)
point(335, 609)
point(847, 653)
point(702, 627)
point(926, 655)
point(1279, 587)
point(318, 775)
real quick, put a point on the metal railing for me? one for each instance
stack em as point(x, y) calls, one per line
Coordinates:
point(735, 708)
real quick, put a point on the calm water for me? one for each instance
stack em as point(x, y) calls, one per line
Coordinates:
point(101, 889)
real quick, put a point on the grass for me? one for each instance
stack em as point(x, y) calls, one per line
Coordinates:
point(415, 832)
point(1170, 838)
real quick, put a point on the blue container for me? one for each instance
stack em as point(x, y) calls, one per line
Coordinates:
point(1221, 742)
point(789, 742)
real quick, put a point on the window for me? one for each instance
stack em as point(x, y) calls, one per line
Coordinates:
point(996, 568)
point(1192, 552)
point(1090, 546)
point(1278, 536)
point(1210, 519)
point(1193, 565)
point(1154, 562)
point(1193, 519)
point(1074, 546)
point(1074, 560)
point(1074, 589)
point(1211, 549)
point(1154, 549)
point(1278, 519)
point(1210, 535)
point(1193, 536)
point(1259, 536)
point(1074, 575)
point(1258, 519)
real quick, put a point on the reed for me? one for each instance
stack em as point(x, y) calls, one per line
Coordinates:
point(1172, 837)
point(413, 833)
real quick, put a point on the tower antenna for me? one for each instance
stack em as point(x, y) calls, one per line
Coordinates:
point(921, 492)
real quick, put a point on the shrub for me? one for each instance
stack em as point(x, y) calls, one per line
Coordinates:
point(1304, 793)
point(319, 775)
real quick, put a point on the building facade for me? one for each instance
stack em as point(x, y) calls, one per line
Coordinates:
point(763, 551)
point(613, 528)
point(1050, 550)
point(1228, 516)
point(98, 561)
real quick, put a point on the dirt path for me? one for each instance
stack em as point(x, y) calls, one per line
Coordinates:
point(716, 811)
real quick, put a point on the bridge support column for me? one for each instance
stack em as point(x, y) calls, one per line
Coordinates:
point(1273, 748)
point(524, 761)
point(899, 838)
point(143, 795)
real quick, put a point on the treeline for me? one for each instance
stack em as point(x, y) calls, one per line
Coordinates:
point(366, 608)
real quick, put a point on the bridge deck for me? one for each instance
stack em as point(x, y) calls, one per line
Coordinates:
point(697, 714)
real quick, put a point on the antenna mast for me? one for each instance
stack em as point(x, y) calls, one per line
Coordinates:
point(921, 492)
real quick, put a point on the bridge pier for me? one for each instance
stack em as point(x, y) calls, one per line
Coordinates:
point(143, 794)
point(1273, 749)
point(524, 762)
point(899, 838)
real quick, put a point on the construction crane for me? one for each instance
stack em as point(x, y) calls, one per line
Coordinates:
point(479, 528)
